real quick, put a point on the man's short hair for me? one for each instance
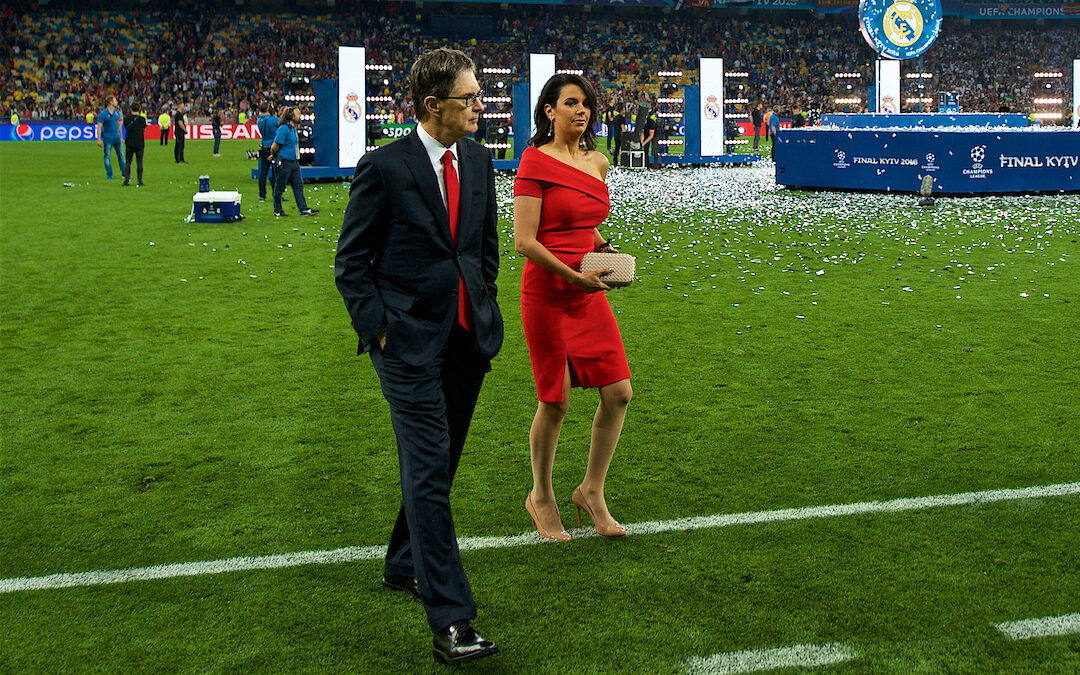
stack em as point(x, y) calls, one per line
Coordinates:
point(434, 74)
point(264, 107)
point(135, 107)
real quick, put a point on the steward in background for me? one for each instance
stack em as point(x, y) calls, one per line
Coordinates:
point(164, 120)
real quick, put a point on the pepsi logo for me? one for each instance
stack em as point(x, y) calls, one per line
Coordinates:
point(24, 132)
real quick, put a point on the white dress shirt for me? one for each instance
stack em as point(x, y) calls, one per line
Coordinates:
point(435, 151)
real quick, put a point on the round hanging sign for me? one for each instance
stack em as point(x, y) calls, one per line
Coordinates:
point(900, 29)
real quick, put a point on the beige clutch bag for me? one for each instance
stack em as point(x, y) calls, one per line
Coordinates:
point(624, 265)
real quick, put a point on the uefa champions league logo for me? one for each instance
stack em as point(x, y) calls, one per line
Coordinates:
point(930, 166)
point(977, 170)
point(840, 157)
point(978, 154)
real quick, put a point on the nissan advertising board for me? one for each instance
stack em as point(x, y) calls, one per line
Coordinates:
point(76, 131)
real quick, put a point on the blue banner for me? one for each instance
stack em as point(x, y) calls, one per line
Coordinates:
point(70, 131)
point(961, 162)
point(926, 120)
point(616, 3)
point(1054, 10)
point(766, 4)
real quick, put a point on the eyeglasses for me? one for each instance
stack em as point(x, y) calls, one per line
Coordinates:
point(469, 100)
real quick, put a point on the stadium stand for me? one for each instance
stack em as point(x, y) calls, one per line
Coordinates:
point(61, 64)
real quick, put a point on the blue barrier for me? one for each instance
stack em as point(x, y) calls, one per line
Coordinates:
point(904, 120)
point(48, 131)
point(961, 162)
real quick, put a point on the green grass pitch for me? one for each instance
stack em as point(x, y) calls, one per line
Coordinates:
point(177, 392)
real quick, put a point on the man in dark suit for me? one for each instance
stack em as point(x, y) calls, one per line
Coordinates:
point(757, 116)
point(416, 265)
point(618, 121)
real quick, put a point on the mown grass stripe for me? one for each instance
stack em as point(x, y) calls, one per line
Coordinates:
point(754, 660)
point(1047, 626)
point(355, 553)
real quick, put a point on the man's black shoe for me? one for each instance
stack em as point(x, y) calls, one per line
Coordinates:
point(396, 582)
point(459, 643)
point(309, 212)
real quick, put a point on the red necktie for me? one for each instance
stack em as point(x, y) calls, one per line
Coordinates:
point(464, 309)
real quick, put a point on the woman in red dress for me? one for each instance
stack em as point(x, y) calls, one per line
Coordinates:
point(559, 199)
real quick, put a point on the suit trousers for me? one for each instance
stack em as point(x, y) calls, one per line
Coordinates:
point(178, 147)
point(431, 407)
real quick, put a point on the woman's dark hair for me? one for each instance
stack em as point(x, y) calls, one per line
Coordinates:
point(545, 128)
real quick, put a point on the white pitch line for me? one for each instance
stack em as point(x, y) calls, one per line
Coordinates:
point(1047, 626)
point(356, 553)
point(754, 660)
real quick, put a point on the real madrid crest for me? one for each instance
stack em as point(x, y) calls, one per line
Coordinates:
point(351, 110)
point(712, 108)
point(900, 29)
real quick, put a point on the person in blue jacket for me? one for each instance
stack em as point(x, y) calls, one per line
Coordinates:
point(109, 136)
point(284, 152)
point(267, 125)
point(774, 126)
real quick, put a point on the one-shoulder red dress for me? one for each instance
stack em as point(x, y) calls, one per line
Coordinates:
point(564, 324)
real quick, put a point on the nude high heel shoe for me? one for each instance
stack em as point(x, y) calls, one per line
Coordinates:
point(612, 530)
point(562, 535)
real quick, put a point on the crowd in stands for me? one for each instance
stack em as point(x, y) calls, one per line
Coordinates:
point(62, 64)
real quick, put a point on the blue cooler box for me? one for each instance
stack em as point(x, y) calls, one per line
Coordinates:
point(217, 207)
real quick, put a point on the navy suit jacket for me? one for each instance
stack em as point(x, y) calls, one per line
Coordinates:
point(397, 266)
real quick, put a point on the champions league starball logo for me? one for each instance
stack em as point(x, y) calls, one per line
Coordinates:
point(900, 29)
point(351, 110)
point(712, 108)
point(978, 154)
point(977, 170)
point(840, 157)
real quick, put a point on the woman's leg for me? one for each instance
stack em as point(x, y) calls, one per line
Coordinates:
point(543, 439)
point(606, 429)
